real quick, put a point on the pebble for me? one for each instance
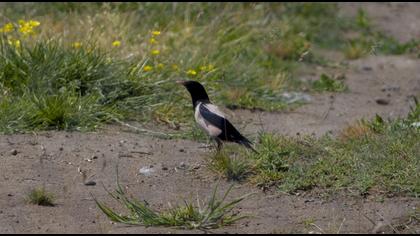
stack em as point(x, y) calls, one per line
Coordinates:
point(90, 183)
point(14, 152)
point(390, 88)
point(182, 165)
point(367, 68)
point(382, 101)
point(146, 170)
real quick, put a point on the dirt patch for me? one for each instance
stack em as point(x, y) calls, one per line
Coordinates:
point(57, 160)
point(398, 19)
point(394, 79)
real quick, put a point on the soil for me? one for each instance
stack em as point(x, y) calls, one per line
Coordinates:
point(63, 162)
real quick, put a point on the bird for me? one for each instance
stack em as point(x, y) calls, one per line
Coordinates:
point(211, 119)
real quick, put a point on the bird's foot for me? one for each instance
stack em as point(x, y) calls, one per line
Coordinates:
point(207, 146)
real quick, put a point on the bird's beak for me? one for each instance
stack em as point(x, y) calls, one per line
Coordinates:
point(180, 82)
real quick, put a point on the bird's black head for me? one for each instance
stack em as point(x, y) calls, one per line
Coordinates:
point(197, 91)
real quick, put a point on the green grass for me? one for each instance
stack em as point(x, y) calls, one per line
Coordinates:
point(371, 41)
point(371, 157)
point(39, 196)
point(214, 214)
point(246, 54)
point(326, 83)
point(233, 168)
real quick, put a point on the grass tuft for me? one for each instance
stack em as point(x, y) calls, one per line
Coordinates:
point(326, 83)
point(214, 214)
point(233, 168)
point(39, 196)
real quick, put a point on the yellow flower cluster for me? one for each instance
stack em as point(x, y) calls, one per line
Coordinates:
point(191, 72)
point(207, 68)
point(7, 28)
point(153, 40)
point(27, 27)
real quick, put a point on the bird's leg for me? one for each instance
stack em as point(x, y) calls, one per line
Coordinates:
point(207, 145)
point(219, 144)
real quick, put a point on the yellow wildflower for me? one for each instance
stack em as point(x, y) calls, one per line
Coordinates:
point(155, 33)
point(155, 52)
point(7, 28)
point(15, 43)
point(116, 43)
point(27, 28)
point(34, 23)
point(175, 67)
point(147, 68)
point(191, 72)
point(160, 66)
point(152, 41)
point(77, 44)
point(208, 68)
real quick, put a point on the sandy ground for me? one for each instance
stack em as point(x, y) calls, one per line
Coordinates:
point(63, 162)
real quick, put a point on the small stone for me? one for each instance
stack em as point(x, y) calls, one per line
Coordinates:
point(367, 68)
point(164, 168)
point(181, 150)
point(14, 152)
point(61, 149)
point(382, 101)
point(182, 165)
point(90, 183)
point(380, 227)
point(10, 195)
point(146, 171)
point(94, 157)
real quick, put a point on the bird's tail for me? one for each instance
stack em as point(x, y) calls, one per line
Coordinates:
point(244, 141)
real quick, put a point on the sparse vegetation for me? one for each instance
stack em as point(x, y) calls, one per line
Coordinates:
point(371, 157)
point(39, 196)
point(234, 168)
point(326, 83)
point(216, 213)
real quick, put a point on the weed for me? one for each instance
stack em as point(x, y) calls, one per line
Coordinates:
point(39, 196)
point(326, 83)
point(233, 168)
point(216, 213)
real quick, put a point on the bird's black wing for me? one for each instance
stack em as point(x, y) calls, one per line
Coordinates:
point(211, 117)
point(229, 132)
